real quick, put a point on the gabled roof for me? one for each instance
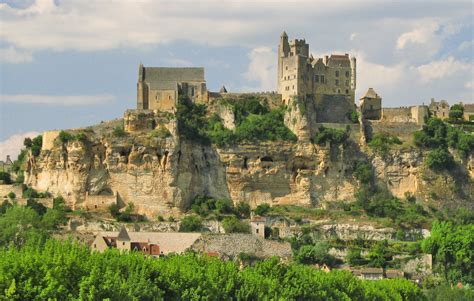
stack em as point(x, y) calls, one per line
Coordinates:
point(370, 94)
point(258, 218)
point(164, 74)
point(336, 60)
point(123, 235)
point(371, 271)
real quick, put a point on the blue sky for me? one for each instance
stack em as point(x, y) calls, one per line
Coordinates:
point(71, 63)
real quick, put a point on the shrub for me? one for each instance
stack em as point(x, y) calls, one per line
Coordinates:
point(439, 159)
point(353, 116)
point(114, 210)
point(171, 219)
point(381, 143)
point(262, 209)
point(38, 207)
point(204, 205)
point(190, 224)
point(160, 218)
point(243, 210)
point(119, 131)
point(315, 254)
point(243, 109)
point(363, 172)
point(11, 195)
point(333, 136)
point(20, 178)
point(354, 257)
point(161, 132)
point(5, 177)
point(65, 137)
point(456, 112)
point(30, 193)
point(234, 225)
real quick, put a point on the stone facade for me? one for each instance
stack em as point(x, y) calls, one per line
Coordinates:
point(159, 88)
point(439, 109)
point(257, 225)
point(301, 75)
point(6, 166)
point(469, 112)
point(413, 114)
point(371, 105)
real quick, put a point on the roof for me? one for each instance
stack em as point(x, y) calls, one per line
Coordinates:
point(169, 242)
point(336, 60)
point(168, 74)
point(371, 271)
point(394, 273)
point(223, 89)
point(258, 218)
point(370, 94)
point(469, 107)
point(123, 235)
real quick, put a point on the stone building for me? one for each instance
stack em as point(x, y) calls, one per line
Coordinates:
point(439, 109)
point(6, 166)
point(371, 105)
point(158, 88)
point(469, 112)
point(257, 225)
point(302, 75)
point(150, 243)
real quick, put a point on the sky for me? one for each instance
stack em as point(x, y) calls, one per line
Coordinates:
point(73, 63)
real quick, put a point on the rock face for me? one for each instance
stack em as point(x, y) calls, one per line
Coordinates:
point(150, 166)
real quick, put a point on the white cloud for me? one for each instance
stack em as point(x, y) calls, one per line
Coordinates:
point(262, 68)
point(442, 69)
point(12, 145)
point(65, 100)
point(15, 56)
point(423, 33)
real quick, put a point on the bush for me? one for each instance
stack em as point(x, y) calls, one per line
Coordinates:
point(171, 219)
point(160, 218)
point(456, 112)
point(161, 132)
point(20, 178)
point(262, 209)
point(353, 116)
point(38, 207)
point(119, 131)
point(382, 142)
point(363, 172)
point(333, 136)
point(30, 193)
point(11, 195)
point(204, 205)
point(65, 137)
point(234, 225)
point(354, 257)
point(5, 177)
point(243, 109)
point(439, 159)
point(190, 224)
point(315, 254)
point(243, 210)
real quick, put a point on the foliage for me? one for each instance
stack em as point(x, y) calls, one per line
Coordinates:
point(382, 142)
point(65, 137)
point(353, 116)
point(379, 254)
point(254, 122)
point(446, 292)
point(243, 210)
point(232, 224)
point(333, 136)
point(315, 254)
point(161, 132)
point(11, 195)
point(69, 271)
point(262, 209)
point(354, 257)
point(452, 249)
point(204, 205)
point(34, 144)
point(119, 131)
point(456, 112)
point(363, 172)
point(5, 177)
point(160, 218)
point(439, 159)
point(190, 223)
point(122, 216)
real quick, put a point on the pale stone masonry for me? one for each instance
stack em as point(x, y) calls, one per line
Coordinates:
point(371, 105)
point(158, 88)
point(439, 109)
point(302, 75)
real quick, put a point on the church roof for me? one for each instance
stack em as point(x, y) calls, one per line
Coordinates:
point(370, 94)
point(123, 235)
point(167, 74)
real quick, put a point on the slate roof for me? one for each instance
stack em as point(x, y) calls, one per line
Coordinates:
point(336, 60)
point(123, 235)
point(370, 94)
point(168, 74)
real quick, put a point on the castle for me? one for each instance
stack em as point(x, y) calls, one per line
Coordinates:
point(300, 74)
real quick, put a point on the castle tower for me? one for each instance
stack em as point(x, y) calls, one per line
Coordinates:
point(283, 51)
point(141, 88)
point(123, 240)
point(353, 73)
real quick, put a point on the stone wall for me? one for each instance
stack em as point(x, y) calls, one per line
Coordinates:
point(415, 114)
point(6, 189)
point(99, 202)
point(48, 139)
point(334, 108)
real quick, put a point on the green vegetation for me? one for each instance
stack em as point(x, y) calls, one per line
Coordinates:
point(161, 132)
point(204, 205)
point(34, 144)
point(381, 143)
point(243, 210)
point(5, 177)
point(254, 122)
point(456, 112)
point(119, 131)
point(438, 135)
point(439, 159)
point(125, 215)
point(190, 223)
point(67, 271)
point(262, 209)
point(232, 224)
point(353, 116)
point(363, 172)
point(11, 195)
point(333, 136)
point(315, 254)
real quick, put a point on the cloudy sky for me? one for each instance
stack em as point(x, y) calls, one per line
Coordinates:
point(71, 63)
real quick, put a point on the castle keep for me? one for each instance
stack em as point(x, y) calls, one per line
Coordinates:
point(158, 88)
point(302, 75)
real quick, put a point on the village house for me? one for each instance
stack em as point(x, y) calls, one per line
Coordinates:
point(439, 109)
point(257, 225)
point(391, 274)
point(371, 273)
point(150, 243)
point(469, 112)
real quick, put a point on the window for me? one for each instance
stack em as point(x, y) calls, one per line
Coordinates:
point(286, 67)
point(192, 91)
point(169, 97)
point(371, 107)
point(347, 83)
point(316, 78)
point(322, 79)
point(347, 91)
point(337, 73)
point(337, 82)
point(123, 243)
point(347, 73)
point(95, 246)
point(256, 231)
point(293, 87)
point(339, 91)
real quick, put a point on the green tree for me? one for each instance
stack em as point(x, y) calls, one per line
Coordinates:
point(439, 159)
point(232, 224)
point(5, 177)
point(243, 210)
point(456, 112)
point(262, 209)
point(312, 254)
point(190, 223)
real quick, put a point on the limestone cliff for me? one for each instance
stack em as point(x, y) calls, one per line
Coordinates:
point(160, 173)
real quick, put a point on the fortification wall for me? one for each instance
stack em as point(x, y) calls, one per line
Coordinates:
point(272, 98)
point(334, 108)
point(414, 114)
point(48, 139)
point(402, 130)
